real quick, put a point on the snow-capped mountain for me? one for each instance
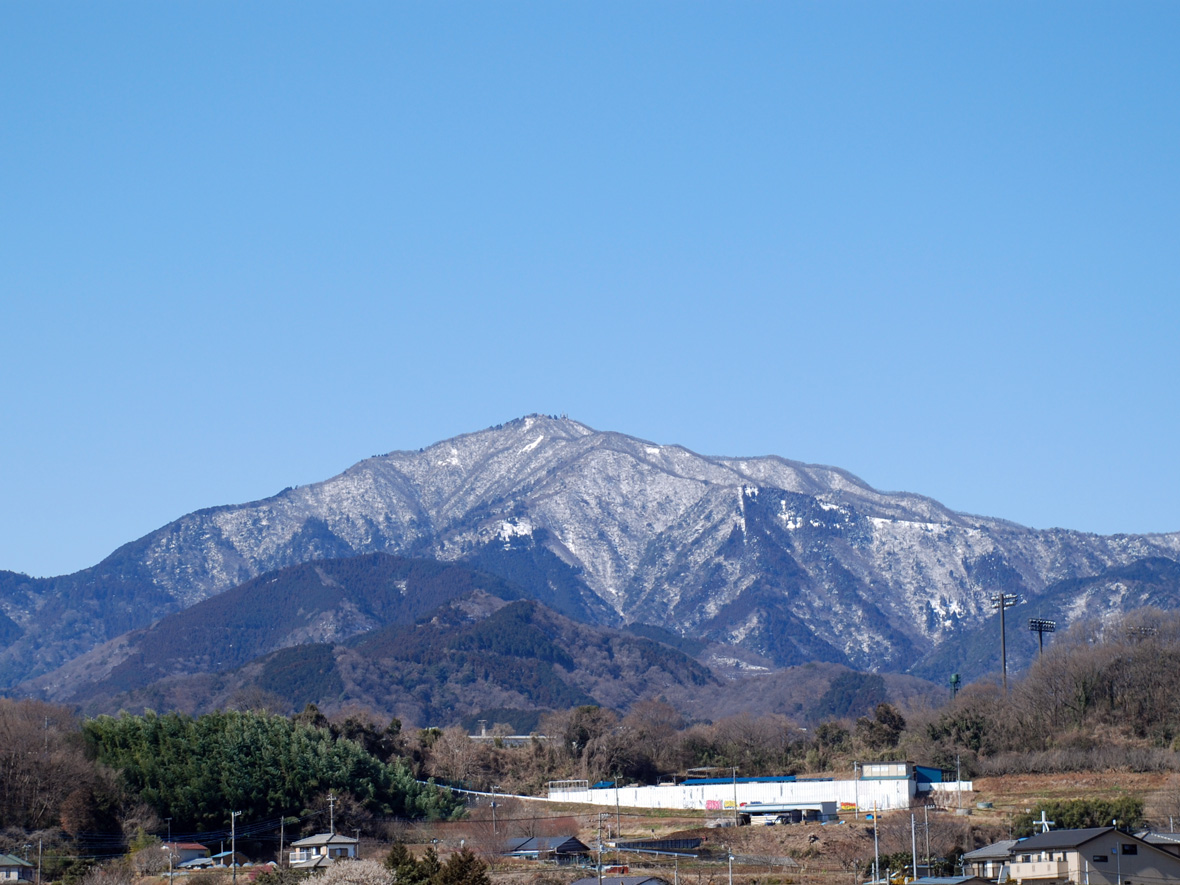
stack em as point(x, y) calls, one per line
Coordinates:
point(790, 561)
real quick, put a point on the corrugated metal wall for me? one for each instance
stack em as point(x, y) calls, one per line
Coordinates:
point(887, 794)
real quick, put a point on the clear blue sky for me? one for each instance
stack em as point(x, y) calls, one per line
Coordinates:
point(244, 245)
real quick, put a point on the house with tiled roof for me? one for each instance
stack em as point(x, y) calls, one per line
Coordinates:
point(13, 869)
point(988, 862)
point(561, 849)
point(1093, 856)
point(321, 850)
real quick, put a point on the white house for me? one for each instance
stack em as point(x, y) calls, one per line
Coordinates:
point(321, 850)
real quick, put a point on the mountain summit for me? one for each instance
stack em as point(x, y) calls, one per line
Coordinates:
point(788, 562)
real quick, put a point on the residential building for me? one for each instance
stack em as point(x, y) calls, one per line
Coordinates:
point(559, 849)
point(1095, 856)
point(182, 852)
point(1169, 842)
point(13, 869)
point(988, 862)
point(321, 850)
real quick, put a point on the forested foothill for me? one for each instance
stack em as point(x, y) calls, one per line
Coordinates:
point(94, 788)
point(1103, 697)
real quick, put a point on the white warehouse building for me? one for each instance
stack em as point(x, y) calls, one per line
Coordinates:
point(881, 785)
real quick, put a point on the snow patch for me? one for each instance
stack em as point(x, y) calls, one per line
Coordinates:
point(737, 663)
point(515, 528)
point(533, 444)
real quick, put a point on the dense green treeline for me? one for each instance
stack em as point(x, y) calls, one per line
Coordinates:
point(112, 776)
point(195, 770)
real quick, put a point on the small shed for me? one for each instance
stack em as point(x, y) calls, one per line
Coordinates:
point(229, 859)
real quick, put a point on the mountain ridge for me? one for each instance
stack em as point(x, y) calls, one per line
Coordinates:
point(719, 547)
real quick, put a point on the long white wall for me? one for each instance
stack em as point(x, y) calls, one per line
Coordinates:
point(885, 794)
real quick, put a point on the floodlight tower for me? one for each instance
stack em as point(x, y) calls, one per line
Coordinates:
point(1004, 601)
point(1041, 626)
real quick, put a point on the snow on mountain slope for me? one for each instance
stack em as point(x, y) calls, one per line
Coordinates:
point(790, 560)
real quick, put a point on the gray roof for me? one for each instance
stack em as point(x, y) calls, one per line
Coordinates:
point(11, 860)
point(1160, 838)
point(320, 860)
point(324, 839)
point(996, 851)
point(1063, 839)
point(547, 845)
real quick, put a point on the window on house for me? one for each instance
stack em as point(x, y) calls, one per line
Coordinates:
point(1130, 848)
point(1026, 858)
point(1099, 858)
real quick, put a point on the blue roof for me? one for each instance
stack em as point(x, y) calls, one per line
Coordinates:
point(705, 781)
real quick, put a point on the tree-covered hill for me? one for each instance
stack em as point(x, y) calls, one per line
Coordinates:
point(429, 642)
point(326, 601)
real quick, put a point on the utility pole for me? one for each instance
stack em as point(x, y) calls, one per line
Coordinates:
point(599, 865)
point(332, 814)
point(736, 819)
point(618, 817)
point(926, 823)
point(233, 842)
point(282, 834)
point(1004, 601)
point(855, 790)
point(495, 832)
point(959, 781)
point(40, 842)
point(914, 843)
point(876, 848)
